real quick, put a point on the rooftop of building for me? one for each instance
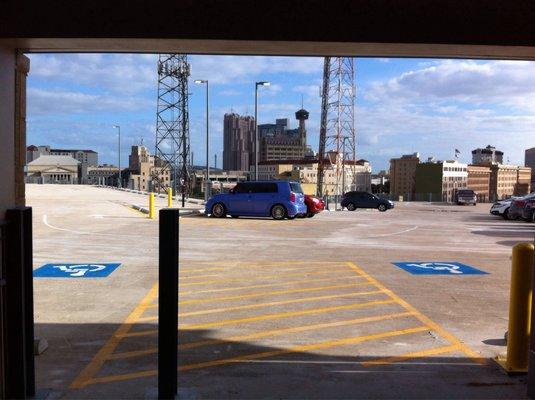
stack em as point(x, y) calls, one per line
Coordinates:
point(305, 161)
point(54, 160)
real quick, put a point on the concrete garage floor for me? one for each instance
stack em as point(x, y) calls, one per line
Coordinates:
point(308, 308)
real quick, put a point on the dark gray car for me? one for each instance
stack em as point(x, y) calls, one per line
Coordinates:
point(517, 206)
point(354, 200)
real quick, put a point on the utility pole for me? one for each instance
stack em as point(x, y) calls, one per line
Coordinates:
point(261, 83)
point(172, 122)
point(337, 114)
point(118, 127)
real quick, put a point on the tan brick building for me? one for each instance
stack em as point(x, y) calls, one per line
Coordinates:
point(479, 181)
point(504, 181)
point(402, 174)
point(523, 181)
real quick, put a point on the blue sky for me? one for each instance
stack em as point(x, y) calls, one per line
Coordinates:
point(403, 105)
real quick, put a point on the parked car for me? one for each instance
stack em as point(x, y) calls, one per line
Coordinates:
point(501, 208)
point(278, 199)
point(528, 213)
point(314, 204)
point(354, 200)
point(517, 206)
point(466, 196)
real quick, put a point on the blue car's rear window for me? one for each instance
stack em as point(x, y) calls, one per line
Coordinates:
point(296, 187)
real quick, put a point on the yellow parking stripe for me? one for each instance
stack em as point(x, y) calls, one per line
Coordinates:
point(260, 305)
point(408, 356)
point(265, 354)
point(264, 285)
point(286, 314)
point(276, 292)
point(425, 320)
point(96, 363)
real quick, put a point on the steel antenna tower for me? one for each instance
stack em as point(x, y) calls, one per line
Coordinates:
point(337, 119)
point(172, 123)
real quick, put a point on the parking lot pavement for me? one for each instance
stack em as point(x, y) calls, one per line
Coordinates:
point(309, 308)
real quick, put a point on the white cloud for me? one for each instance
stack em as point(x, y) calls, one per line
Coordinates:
point(508, 83)
point(54, 102)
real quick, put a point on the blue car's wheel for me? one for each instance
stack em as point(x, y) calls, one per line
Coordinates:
point(218, 210)
point(381, 207)
point(278, 212)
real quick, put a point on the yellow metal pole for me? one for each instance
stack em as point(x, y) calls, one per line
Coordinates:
point(519, 310)
point(170, 197)
point(151, 205)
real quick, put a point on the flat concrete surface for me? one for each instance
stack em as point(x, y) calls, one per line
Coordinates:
point(308, 308)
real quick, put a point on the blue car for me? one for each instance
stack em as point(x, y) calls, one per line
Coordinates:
point(278, 199)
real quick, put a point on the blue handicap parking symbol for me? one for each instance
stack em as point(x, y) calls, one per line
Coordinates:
point(439, 268)
point(95, 270)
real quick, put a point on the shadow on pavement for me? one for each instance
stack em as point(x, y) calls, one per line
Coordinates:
point(268, 371)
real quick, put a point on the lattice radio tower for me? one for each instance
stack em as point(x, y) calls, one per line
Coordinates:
point(172, 124)
point(337, 128)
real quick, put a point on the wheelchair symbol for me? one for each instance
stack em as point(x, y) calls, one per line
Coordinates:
point(80, 269)
point(451, 268)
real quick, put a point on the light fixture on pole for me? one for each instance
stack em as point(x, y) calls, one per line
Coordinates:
point(261, 83)
point(207, 178)
point(118, 127)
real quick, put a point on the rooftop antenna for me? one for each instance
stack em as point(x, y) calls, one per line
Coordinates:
point(302, 101)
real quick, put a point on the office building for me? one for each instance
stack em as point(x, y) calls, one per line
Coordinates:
point(238, 142)
point(102, 175)
point(479, 181)
point(488, 155)
point(306, 172)
point(529, 161)
point(279, 142)
point(439, 180)
point(402, 175)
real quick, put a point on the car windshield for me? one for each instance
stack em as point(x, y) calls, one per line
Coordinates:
point(466, 192)
point(296, 187)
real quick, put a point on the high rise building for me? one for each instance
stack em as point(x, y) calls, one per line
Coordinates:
point(402, 174)
point(529, 161)
point(278, 142)
point(238, 142)
point(488, 155)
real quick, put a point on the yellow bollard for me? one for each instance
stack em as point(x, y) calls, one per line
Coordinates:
point(516, 361)
point(151, 205)
point(169, 197)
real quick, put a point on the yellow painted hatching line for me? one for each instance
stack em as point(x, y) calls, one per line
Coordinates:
point(286, 314)
point(265, 354)
point(257, 270)
point(278, 276)
point(275, 292)
point(264, 317)
point(421, 317)
point(408, 356)
point(264, 334)
point(260, 305)
point(96, 363)
point(260, 286)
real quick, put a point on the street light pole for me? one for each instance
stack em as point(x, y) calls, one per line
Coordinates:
point(261, 83)
point(207, 178)
point(119, 155)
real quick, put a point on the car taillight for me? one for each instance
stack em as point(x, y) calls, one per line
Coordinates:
point(292, 197)
point(520, 203)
